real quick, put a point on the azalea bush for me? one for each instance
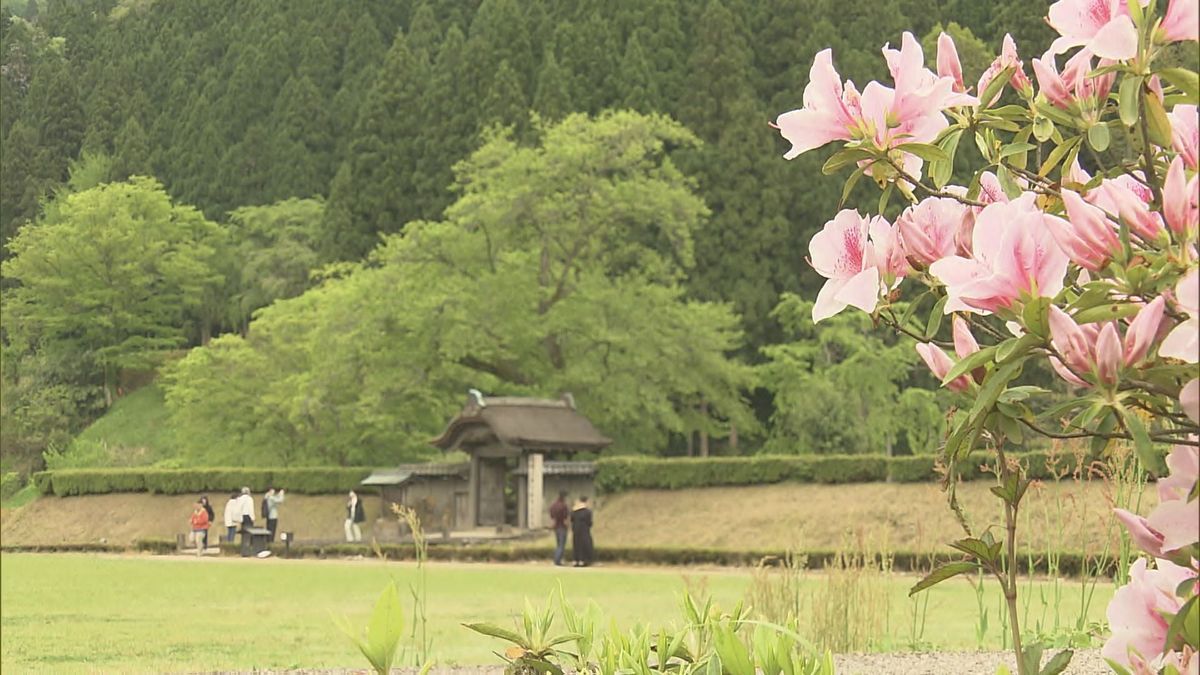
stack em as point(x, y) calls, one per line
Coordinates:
point(1072, 249)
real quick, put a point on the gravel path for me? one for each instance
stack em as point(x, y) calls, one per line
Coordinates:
point(1085, 662)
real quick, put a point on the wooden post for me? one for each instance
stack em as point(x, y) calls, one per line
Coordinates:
point(473, 493)
point(533, 490)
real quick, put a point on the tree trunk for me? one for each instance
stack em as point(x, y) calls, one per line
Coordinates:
point(733, 438)
point(704, 434)
point(691, 443)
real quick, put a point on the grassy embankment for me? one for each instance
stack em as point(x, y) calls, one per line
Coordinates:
point(73, 613)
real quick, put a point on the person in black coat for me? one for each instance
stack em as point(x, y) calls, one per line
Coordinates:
point(212, 518)
point(581, 533)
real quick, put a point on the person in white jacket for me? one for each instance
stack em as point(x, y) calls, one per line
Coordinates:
point(246, 510)
point(233, 516)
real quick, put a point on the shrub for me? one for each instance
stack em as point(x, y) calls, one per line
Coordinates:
point(10, 484)
point(306, 480)
point(615, 474)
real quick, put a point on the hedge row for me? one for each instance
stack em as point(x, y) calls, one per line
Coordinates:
point(309, 480)
point(615, 474)
point(1070, 564)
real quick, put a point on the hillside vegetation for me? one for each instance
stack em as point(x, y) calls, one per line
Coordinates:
point(343, 215)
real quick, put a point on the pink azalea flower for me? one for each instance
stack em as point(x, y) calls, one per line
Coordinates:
point(1182, 21)
point(1142, 331)
point(1175, 522)
point(990, 190)
point(1181, 199)
point(1183, 342)
point(1073, 87)
point(825, 116)
point(1185, 133)
point(964, 341)
point(947, 62)
point(1099, 351)
point(1189, 400)
point(1103, 26)
point(1014, 255)
point(886, 117)
point(940, 365)
point(1127, 197)
point(930, 230)
point(1135, 614)
point(1008, 57)
point(859, 257)
point(1183, 470)
point(1088, 237)
point(1143, 535)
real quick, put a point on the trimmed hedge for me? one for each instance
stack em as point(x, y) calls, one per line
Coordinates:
point(1070, 564)
point(615, 474)
point(306, 480)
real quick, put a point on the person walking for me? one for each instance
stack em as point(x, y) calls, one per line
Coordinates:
point(560, 513)
point(354, 516)
point(199, 526)
point(212, 517)
point(581, 533)
point(274, 499)
point(232, 516)
point(246, 511)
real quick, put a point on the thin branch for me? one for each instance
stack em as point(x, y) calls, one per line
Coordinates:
point(933, 192)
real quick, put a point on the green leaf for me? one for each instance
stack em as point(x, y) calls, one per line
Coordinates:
point(993, 88)
point(1043, 128)
point(1032, 657)
point(1036, 317)
point(1185, 626)
point(1008, 183)
point(1106, 312)
point(1141, 439)
point(969, 363)
point(850, 183)
point(1061, 660)
point(1014, 348)
point(935, 318)
point(942, 170)
point(926, 151)
point(1156, 120)
point(1098, 138)
point(913, 306)
point(1187, 80)
point(1128, 93)
point(1058, 116)
point(940, 574)
point(1058, 154)
point(1117, 668)
point(844, 157)
point(995, 383)
point(885, 197)
point(387, 624)
point(1015, 149)
point(981, 142)
point(1136, 13)
point(975, 548)
point(495, 631)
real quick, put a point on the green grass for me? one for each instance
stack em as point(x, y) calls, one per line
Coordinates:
point(136, 431)
point(21, 497)
point(72, 613)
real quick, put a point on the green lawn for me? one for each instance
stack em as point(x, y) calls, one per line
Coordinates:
point(78, 612)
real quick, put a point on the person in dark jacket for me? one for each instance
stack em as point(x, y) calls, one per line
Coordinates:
point(354, 516)
point(212, 518)
point(581, 533)
point(560, 513)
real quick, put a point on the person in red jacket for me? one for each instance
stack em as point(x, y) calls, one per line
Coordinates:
point(199, 526)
